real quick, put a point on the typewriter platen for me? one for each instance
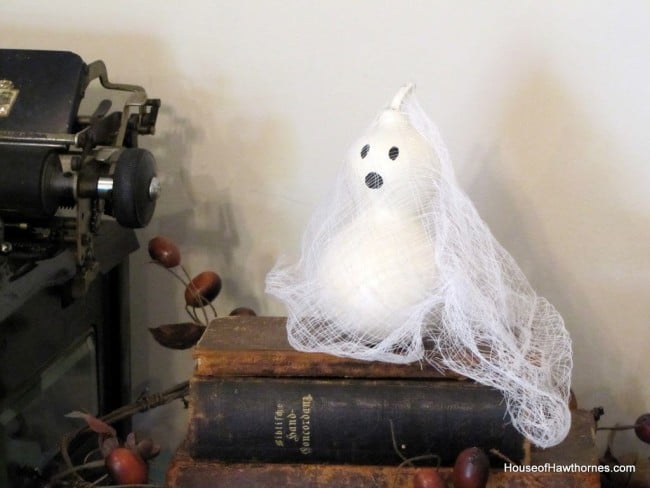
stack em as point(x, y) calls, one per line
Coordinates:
point(62, 171)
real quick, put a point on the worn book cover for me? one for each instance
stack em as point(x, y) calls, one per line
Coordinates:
point(563, 466)
point(356, 421)
point(258, 346)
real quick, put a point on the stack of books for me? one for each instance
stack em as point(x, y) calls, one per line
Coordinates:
point(263, 414)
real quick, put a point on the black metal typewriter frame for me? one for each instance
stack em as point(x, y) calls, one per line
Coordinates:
point(79, 297)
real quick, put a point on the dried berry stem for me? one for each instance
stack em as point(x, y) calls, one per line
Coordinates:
point(192, 315)
point(98, 480)
point(143, 404)
point(502, 456)
point(205, 302)
point(423, 457)
point(619, 427)
point(99, 463)
point(186, 284)
point(170, 270)
point(187, 275)
point(197, 295)
point(395, 448)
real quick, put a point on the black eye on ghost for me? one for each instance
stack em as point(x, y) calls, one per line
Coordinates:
point(374, 180)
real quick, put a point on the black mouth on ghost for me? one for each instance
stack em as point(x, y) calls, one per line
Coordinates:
point(374, 180)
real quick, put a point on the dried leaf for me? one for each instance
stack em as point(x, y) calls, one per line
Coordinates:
point(94, 424)
point(178, 336)
point(131, 441)
point(108, 445)
point(148, 449)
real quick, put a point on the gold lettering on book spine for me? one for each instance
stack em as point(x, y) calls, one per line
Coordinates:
point(292, 429)
point(293, 426)
point(305, 422)
point(278, 425)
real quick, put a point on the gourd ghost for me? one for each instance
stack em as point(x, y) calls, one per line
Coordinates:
point(398, 257)
point(380, 263)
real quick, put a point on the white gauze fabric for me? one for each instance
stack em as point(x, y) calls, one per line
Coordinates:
point(398, 266)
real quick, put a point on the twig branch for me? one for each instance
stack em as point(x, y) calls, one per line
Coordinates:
point(619, 427)
point(395, 448)
point(89, 465)
point(502, 456)
point(143, 404)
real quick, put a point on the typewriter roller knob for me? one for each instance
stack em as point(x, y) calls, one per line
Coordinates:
point(135, 188)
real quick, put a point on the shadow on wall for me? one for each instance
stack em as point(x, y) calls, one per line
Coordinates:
point(212, 154)
point(225, 156)
point(552, 195)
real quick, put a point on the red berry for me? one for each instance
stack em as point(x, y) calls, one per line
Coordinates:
point(642, 427)
point(428, 478)
point(126, 467)
point(243, 311)
point(164, 251)
point(203, 288)
point(471, 469)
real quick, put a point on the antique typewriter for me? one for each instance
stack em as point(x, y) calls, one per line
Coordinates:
point(73, 187)
point(61, 171)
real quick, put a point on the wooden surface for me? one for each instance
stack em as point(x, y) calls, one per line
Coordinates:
point(578, 448)
point(258, 346)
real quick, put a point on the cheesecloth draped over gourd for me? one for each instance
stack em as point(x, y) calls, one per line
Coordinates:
point(398, 266)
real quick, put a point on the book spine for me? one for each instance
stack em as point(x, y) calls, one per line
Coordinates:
point(355, 421)
point(187, 472)
point(258, 346)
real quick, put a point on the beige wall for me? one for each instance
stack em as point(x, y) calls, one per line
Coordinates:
point(544, 105)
